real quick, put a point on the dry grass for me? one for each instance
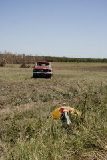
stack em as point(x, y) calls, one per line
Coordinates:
point(27, 131)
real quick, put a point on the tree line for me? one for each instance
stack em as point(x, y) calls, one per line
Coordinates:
point(14, 58)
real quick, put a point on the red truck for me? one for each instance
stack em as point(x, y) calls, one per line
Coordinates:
point(42, 69)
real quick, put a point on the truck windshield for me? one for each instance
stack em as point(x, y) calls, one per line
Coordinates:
point(42, 64)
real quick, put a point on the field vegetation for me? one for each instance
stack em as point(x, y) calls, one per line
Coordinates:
point(28, 132)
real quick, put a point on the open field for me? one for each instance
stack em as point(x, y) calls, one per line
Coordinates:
point(27, 131)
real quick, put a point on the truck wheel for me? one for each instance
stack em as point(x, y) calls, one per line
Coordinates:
point(34, 76)
point(49, 76)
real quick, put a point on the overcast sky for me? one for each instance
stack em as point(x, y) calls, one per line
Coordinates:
point(72, 28)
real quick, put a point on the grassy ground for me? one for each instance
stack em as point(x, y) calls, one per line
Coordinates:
point(27, 131)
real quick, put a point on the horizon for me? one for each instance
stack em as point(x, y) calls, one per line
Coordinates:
point(21, 54)
point(60, 28)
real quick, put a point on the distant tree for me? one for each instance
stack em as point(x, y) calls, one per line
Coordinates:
point(3, 63)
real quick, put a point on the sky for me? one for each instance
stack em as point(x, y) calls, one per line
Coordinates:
point(70, 28)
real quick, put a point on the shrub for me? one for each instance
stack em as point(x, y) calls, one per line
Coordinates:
point(24, 65)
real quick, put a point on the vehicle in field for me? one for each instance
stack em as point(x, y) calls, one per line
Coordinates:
point(42, 69)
